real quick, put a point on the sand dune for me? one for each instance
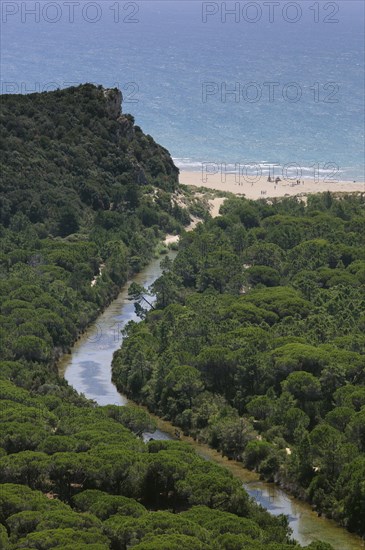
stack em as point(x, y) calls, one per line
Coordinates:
point(258, 189)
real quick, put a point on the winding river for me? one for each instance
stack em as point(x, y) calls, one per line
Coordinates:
point(88, 370)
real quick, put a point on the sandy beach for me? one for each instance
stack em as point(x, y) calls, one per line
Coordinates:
point(261, 188)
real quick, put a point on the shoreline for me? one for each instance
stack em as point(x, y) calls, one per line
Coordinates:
point(260, 188)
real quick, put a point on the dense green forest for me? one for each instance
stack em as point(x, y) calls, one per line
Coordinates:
point(85, 198)
point(74, 475)
point(82, 188)
point(257, 345)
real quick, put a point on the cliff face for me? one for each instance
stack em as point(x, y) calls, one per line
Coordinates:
point(75, 144)
point(114, 100)
point(113, 105)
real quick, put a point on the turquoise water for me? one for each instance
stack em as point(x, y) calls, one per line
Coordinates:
point(176, 71)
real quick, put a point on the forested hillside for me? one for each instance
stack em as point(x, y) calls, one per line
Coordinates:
point(257, 345)
point(84, 193)
point(72, 151)
point(85, 197)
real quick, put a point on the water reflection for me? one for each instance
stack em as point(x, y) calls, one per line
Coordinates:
point(304, 522)
point(88, 370)
point(88, 367)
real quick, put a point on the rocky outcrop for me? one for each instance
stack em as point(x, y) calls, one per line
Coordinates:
point(126, 127)
point(114, 99)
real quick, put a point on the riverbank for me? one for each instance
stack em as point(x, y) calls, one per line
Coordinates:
point(88, 370)
point(303, 520)
point(258, 188)
point(88, 367)
point(290, 486)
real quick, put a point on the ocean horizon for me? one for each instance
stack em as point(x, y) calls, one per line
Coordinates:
point(207, 88)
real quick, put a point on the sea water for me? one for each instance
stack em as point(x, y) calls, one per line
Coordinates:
point(252, 84)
